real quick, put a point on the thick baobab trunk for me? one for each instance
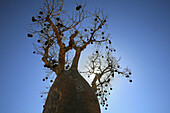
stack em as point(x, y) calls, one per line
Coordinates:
point(70, 93)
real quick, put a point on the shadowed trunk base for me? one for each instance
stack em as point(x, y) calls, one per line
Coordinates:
point(70, 93)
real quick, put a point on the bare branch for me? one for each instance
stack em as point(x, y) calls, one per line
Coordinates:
point(60, 32)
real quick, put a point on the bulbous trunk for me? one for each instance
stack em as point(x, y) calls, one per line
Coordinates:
point(70, 93)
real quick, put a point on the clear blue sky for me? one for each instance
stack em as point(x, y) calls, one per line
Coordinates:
point(140, 31)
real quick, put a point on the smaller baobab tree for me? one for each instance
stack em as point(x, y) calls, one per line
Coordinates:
point(61, 36)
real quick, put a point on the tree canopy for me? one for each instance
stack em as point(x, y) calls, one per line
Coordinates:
point(61, 37)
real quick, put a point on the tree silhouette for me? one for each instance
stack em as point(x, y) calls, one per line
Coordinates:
point(61, 37)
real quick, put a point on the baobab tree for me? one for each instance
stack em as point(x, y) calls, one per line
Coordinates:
point(61, 36)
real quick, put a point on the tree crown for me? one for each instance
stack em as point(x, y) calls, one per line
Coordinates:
point(58, 32)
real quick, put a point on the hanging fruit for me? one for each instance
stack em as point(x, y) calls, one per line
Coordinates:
point(130, 80)
point(61, 25)
point(42, 31)
point(58, 19)
point(38, 41)
point(40, 12)
point(33, 19)
point(67, 66)
point(110, 42)
point(78, 7)
point(130, 73)
point(54, 66)
point(29, 35)
point(102, 33)
point(46, 42)
point(108, 80)
point(113, 75)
